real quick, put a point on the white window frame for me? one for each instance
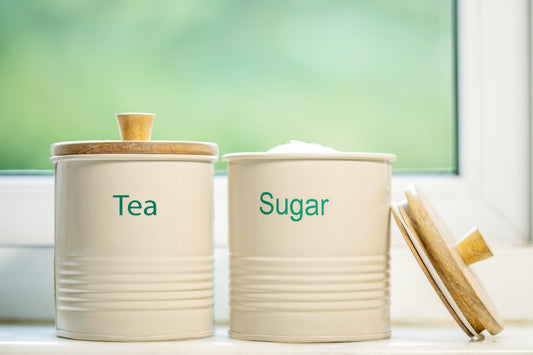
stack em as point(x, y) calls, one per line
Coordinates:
point(492, 189)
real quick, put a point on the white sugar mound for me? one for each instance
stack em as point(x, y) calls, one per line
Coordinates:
point(295, 146)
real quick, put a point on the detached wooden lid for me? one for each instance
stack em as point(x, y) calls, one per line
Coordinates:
point(135, 131)
point(446, 265)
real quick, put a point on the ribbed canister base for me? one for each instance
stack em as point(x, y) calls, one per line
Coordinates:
point(134, 298)
point(310, 299)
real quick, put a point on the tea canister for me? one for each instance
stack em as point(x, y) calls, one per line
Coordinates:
point(133, 236)
point(309, 245)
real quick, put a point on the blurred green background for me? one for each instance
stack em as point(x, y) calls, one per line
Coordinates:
point(357, 75)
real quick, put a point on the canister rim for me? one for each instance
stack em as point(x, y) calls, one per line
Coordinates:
point(134, 147)
point(384, 157)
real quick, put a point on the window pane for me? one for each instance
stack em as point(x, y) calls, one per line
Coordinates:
point(358, 75)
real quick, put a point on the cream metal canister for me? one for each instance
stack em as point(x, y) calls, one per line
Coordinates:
point(309, 244)
point(133, 239)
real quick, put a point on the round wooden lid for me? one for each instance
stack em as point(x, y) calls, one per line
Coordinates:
point(135, 131)
point(446, 265)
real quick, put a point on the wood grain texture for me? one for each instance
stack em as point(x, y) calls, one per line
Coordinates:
point(135, 126)
point(459, 280)
point(424, 267)
point(134, 147)
point(135, 130)
point(473, 248)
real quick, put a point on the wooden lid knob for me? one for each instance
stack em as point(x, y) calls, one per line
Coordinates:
point(135, 126)
point(473, 248)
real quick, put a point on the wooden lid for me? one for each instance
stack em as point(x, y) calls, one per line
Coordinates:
point(446, 265)
point(135, 131)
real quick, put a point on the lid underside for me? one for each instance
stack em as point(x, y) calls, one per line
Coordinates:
point(431, 273)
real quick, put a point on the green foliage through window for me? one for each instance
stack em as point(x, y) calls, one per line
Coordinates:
point(358, 75)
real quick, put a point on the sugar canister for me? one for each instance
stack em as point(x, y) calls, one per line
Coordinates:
point(309, 244)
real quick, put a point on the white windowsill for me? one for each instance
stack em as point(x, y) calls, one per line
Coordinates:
point(41, 339)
